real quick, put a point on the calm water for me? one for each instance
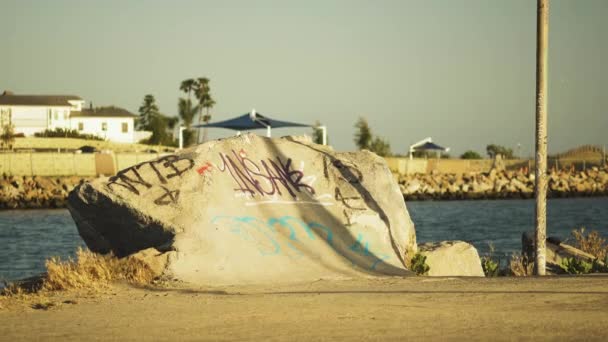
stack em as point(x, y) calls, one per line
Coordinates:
point(28, 237)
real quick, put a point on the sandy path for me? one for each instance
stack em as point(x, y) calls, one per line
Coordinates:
point(376, 309)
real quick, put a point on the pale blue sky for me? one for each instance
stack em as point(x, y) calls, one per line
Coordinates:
point(461, 71)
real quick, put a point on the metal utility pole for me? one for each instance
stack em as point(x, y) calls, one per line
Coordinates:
point(542, 42)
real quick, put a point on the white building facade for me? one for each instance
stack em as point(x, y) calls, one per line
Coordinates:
point(31, 114)
point(110, 123)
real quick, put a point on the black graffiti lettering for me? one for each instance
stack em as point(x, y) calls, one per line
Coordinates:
point(169, 197)
point(158, 174)
point(339, 197)
point(237, 174)
point(133, 181)
point(250, 177)
point(350, 173)
point(173, 162)
point(122, 179)
point(296, 183)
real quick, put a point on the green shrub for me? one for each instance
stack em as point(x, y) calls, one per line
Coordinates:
point(418, 264)
point(470, 155)
point(66, 133)
point(488, 264)
point(576, 266)
point(490, 267)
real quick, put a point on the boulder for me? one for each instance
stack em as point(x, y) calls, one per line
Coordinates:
point(250, 209)
point(451, 258)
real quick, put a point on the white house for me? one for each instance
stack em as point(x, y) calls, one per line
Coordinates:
point(110, 123)
point(36, 113)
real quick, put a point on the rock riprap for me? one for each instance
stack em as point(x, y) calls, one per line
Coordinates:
point(250, 209)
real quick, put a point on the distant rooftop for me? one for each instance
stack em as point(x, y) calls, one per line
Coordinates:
point(109, 111)
point(10, 99)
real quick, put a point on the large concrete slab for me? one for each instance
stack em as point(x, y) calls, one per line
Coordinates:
point(250, 209)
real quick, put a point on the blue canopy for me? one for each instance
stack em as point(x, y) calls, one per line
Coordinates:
point(429, 146)
point(247, 122)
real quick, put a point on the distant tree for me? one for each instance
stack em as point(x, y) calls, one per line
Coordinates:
point(150, 119)
point(381, 147)
point(147, 111)
point(363, 135)
point(492, 150)
point(187, 86)
point(186, 110)
point(8, 136)
point(202, 91)
point(317, 133)
point(470, 155)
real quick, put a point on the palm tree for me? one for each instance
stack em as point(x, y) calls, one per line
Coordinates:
point(185, 109)
point(202, 92)
point(187, 113)
point(187, 86)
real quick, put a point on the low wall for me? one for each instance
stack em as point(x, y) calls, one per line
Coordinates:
point(93, 164)
point(45, 144)
point(406, 166)
point(69, 164)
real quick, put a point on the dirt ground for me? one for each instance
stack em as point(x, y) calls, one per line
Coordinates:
point(571, 308)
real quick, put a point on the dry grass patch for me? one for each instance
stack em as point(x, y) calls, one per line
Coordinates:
point(591, 243)
point(88, 271)
point(520, 266)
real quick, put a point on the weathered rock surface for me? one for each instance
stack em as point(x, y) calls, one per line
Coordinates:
point(250, 209)
point(451, 258)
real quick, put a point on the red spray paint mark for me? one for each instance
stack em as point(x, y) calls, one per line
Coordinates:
point(207, 167)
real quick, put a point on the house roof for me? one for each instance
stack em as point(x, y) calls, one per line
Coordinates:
point(106, 112)
point(8, 98)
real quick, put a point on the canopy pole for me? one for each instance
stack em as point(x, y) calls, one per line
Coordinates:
point(268, 132)
point(181, 137)
point(324, 134)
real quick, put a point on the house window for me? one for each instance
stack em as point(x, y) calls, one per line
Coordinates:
point(81, 126)
point(56, 115)
point(125, 127)
point(104, 126)
point(65, 115)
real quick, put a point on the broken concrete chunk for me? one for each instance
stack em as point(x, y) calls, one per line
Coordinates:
point(250, 209)
point(452, 258)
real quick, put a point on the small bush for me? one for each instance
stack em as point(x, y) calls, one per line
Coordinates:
point(89, 271)
point(520, 266)
point(488, 264)
point(92, 269)
point(418, 264)
point(591, 243)
point(580, 266)
point(576, 266)
point(470, 155)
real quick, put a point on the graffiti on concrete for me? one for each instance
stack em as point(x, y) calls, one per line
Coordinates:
point(265, 235)
point(206, 167)
point(164, 169)
point(265, 177)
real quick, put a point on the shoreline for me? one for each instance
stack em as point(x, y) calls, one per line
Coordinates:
point(41, 192)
